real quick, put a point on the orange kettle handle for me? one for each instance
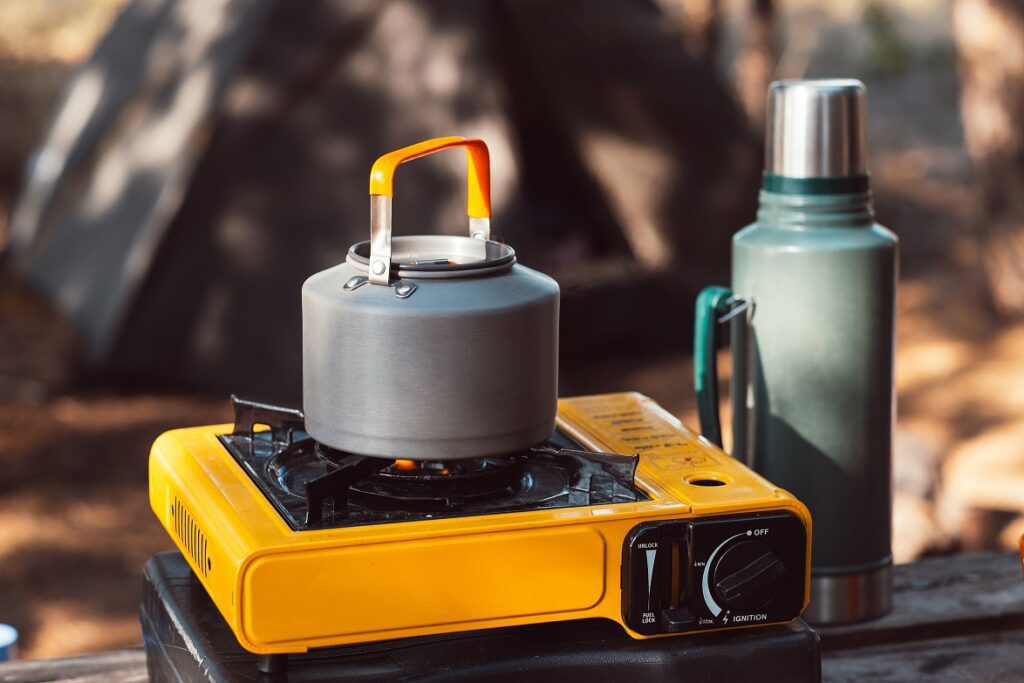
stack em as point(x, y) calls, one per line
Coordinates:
point(478, 181)
point(382, 189)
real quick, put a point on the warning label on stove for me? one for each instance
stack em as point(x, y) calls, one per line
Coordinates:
point(689, 461)
point(632, 423)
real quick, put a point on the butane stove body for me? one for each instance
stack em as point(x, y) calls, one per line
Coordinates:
point(624, 514)
point(187, 640)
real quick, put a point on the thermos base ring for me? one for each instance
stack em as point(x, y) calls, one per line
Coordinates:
point(847, 598)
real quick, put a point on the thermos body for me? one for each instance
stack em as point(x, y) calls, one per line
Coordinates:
point(813, 404)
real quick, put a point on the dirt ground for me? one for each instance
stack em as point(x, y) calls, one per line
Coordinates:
point(75, 524)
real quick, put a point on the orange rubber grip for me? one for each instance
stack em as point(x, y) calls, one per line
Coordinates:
point(478, 181)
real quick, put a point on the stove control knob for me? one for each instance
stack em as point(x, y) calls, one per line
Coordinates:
point(747, 576)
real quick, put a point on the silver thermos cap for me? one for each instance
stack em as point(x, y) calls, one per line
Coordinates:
point(817, 128)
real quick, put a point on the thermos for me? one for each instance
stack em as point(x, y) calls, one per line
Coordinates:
point(812, 311)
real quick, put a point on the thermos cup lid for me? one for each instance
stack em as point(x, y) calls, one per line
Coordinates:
point(817, 128)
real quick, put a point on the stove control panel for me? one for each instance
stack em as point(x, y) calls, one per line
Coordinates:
point(718, 572)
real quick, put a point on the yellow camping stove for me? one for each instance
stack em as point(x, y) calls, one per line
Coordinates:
point(623, 513)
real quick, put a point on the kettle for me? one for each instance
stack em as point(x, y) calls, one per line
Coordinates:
point(430, 347)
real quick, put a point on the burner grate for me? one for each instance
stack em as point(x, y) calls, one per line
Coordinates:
point(315, 486)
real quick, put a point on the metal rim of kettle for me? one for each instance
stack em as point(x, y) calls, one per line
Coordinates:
point(490, 256)
point(478, 208)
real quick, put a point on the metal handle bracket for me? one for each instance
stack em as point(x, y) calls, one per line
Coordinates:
point(382, 175)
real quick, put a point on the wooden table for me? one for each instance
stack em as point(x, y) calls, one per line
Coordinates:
point(958, 618)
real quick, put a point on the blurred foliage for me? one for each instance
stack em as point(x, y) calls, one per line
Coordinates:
point(59, 30)
point(890, 52)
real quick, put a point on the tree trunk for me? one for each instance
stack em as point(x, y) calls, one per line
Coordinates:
point(702, 28)
point(755, 62)
point(989, 38)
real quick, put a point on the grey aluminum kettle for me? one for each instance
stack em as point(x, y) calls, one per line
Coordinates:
point(431, 347)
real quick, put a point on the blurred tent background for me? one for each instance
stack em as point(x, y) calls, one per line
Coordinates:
point(172, 170)
point(182, 194)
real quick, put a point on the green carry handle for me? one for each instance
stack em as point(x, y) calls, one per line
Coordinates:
point(715, 305)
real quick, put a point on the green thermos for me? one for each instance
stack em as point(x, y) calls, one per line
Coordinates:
point(812, 322)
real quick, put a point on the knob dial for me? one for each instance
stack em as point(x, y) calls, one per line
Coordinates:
point(747, 576)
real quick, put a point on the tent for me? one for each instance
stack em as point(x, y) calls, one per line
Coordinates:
point(212, 154)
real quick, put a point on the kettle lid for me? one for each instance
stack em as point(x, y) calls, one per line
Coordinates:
point(438, 256)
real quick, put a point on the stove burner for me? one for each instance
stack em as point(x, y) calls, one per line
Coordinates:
point(405, 483)
point(315, 486)
point(435, 485)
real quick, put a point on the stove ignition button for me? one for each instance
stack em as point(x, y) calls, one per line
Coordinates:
point(747, 576)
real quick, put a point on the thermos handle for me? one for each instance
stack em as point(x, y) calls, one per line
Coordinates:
point(715, 305)
point(382, 181)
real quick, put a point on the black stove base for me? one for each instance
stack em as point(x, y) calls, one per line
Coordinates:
point(186, 639)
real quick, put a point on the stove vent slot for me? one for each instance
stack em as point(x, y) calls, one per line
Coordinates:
point(191, 536)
